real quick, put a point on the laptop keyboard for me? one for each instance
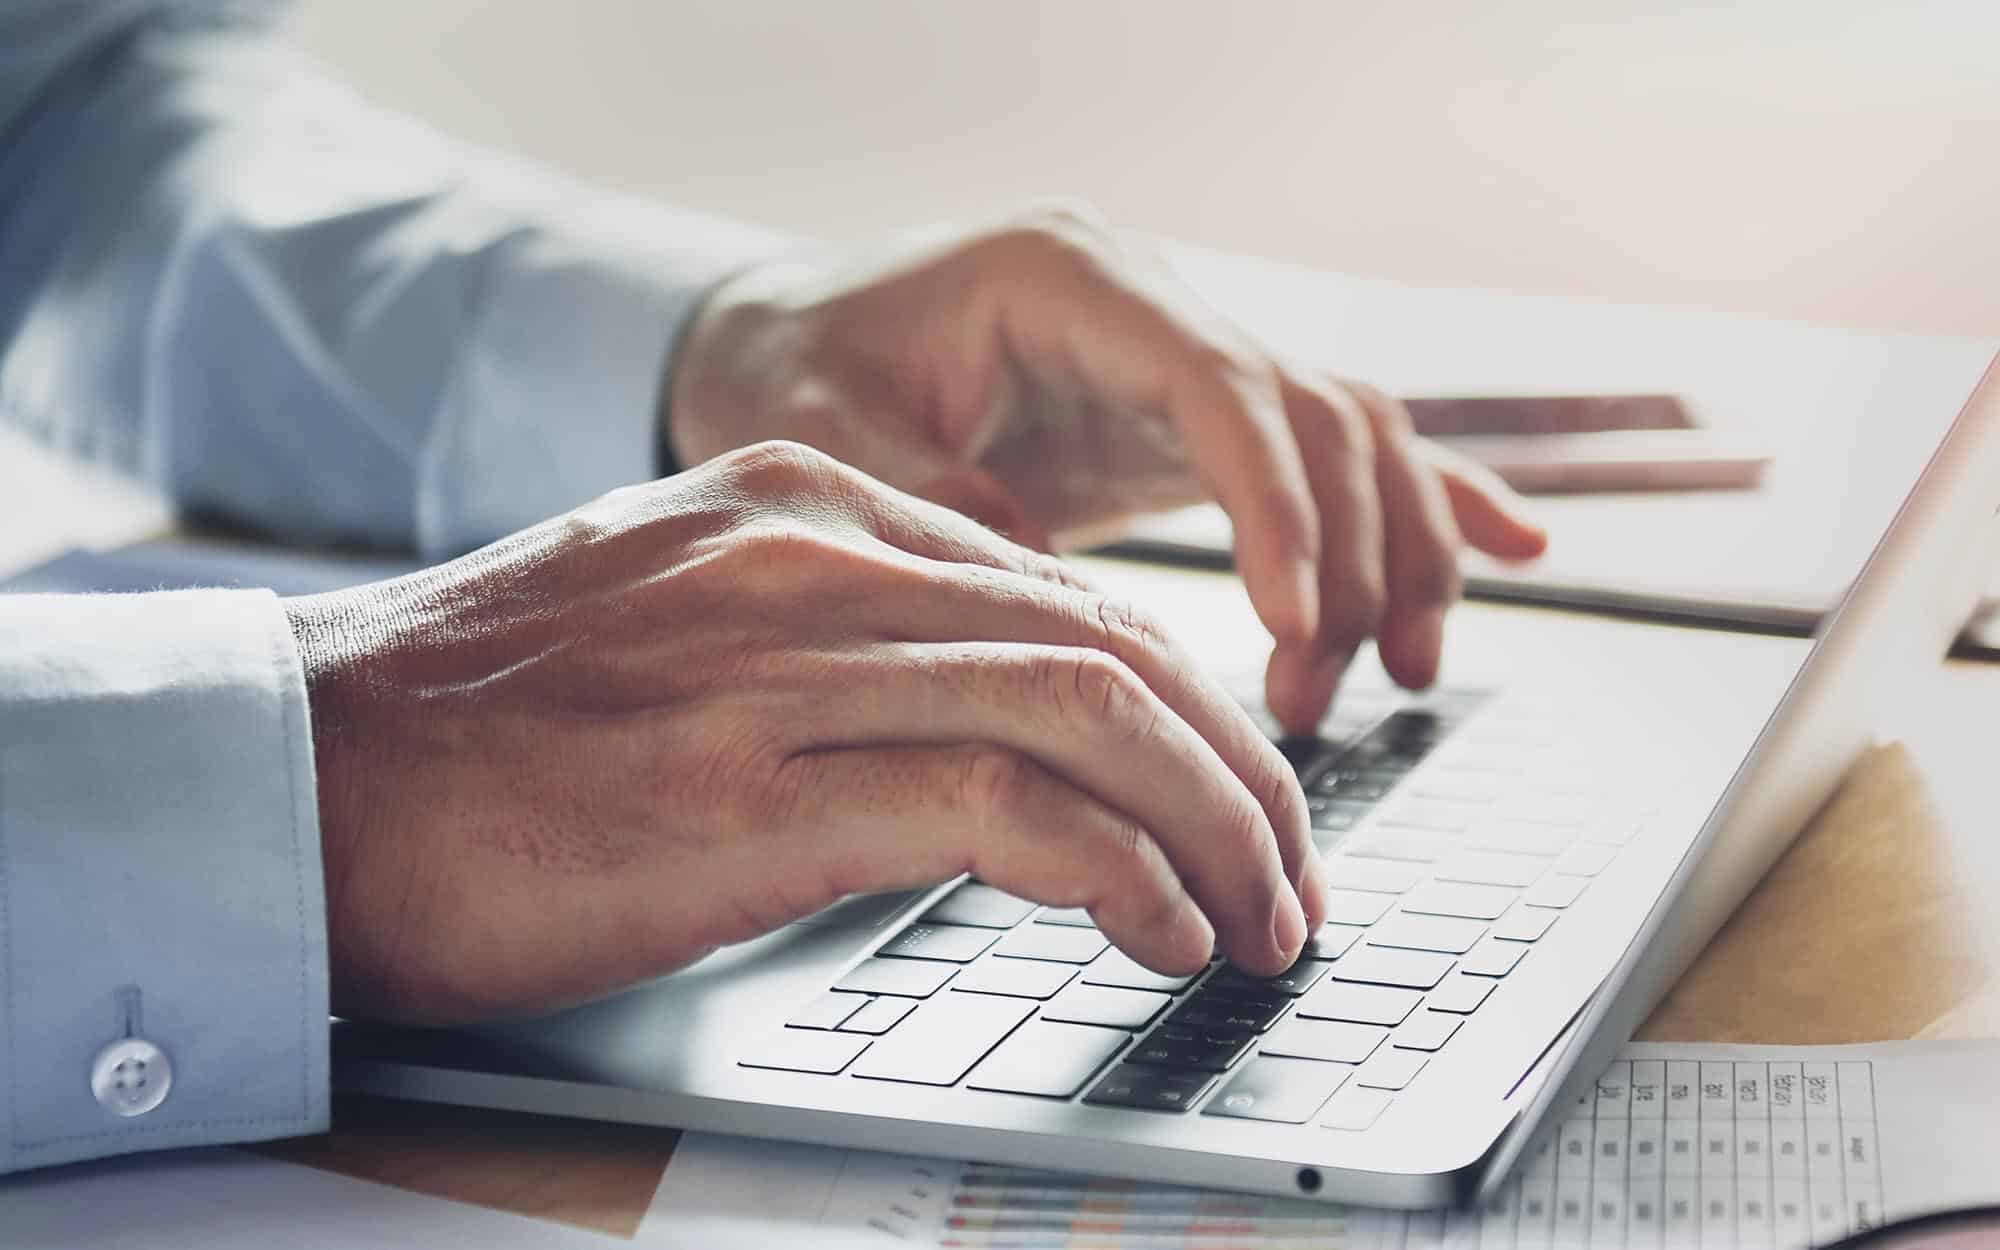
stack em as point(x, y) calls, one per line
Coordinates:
point(1457, 834)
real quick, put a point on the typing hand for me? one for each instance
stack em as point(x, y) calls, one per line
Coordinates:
point(690, 712)
point(1041, 377)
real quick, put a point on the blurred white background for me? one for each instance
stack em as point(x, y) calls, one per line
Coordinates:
point(1829, 160)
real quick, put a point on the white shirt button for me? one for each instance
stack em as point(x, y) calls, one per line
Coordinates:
point(131, 1076)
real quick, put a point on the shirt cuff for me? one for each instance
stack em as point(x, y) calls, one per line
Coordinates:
point(160, 878)
point(556, 397)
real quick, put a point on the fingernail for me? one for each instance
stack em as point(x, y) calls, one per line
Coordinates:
point(1288, 928)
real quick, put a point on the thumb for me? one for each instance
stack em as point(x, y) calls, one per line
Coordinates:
point(1490, 515)
point(987, 500)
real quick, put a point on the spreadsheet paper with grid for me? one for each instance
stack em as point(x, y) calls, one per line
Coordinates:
point(1679, 1146)
point(1701, 1153)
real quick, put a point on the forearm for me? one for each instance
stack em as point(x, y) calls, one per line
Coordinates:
point(229, 274)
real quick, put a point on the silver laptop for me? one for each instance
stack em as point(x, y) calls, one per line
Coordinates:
point(1524, 860)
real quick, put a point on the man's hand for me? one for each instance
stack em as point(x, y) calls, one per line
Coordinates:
point(691, 712)
point(1042, 378)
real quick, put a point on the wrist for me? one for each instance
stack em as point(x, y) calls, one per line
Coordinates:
point(695, 339)
point(323, 633)
point(721, 350)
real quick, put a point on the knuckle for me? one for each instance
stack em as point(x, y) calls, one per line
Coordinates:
point(1249, 831)
point(994, 783)
point(789, 560)
point(1272, 783)
point(1429, 577)
point(1123, 628)
point(780, 468)
point(1344, 425)
point(783, 542)
point(1385, 409)
point(1128, 848)
point(1239, 366)
point(1042, 237)
point(1355, 612)
point(1137, 881)
point(1163, 909)
point(1102, 689)
point(1048, 568)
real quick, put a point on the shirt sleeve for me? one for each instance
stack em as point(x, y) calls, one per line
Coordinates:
point(223, 270)
point(161, 895)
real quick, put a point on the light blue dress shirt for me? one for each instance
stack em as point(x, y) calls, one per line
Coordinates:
point(222, 270)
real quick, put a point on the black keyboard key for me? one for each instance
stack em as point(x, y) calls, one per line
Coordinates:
point(1050, 1060)
point(1329, 815)
point(1370, 752)
point(1355, 789)
point(1234, 1015)
point(1148, 1088)
point(1249, 992)
point(1283, 1091)
point(1307, 754)
point(1292, 982)
point(951, 943)
point(1203, 1050)
point(1404, 739)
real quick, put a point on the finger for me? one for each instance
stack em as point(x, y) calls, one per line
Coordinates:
point(1088, 718)
point(919, 528)
point(1490, 514)
point(1141, 340)
point(1421, 543)
point(979, 495)
point(1336, 441)
point(967, 603)
point(938, 530)
point(901, 817)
